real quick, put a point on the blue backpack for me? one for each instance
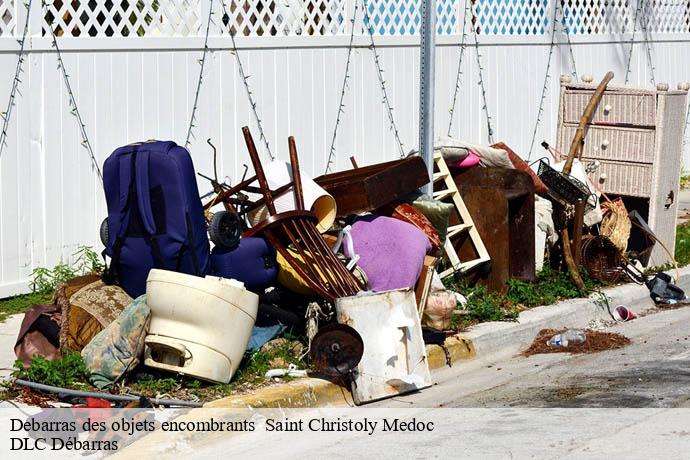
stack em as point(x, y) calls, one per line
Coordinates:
point(155, 216)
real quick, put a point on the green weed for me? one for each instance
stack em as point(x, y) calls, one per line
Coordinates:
point(683, 245)
point(85, 260)
point(64, 372)
point(21, 303)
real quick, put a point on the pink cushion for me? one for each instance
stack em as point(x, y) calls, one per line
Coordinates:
point(470, 161)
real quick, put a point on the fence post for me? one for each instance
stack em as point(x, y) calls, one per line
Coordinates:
point(427, 80)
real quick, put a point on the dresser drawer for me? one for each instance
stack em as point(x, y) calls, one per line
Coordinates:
point(625, 109)
point(613, 143)
point(623, 178)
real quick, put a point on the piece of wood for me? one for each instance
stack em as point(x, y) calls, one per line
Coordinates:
point(371, 187)
point(423, 286)
point(295, 236)
point(576, 144)
point(501, 202)
point(578, 224)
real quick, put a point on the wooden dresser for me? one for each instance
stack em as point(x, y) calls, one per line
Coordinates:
point(636, 135)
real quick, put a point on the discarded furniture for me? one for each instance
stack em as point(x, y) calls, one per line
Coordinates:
point(463, 229)
point(636, 136)
point(294, 233)
point(501, 202)
point(394, 360)
point(315, 198)
point(371, 187)
point(199, 326)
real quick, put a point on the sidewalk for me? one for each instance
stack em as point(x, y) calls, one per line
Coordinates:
point(8, 337)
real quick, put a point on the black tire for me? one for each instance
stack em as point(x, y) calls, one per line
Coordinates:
point(105, 233)
point(268, 313)
point(225, 229)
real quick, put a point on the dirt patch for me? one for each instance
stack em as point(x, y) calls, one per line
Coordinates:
point(663, 306)
point(596, 341)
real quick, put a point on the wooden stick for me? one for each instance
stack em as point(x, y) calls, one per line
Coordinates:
point(586, 118)
point(296, 176)
point(258, 169)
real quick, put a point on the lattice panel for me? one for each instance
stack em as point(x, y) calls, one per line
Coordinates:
point(668, 16)
point(402, 17)
point(598, 16)
point(287, 17)
point(123, 18)
point(7, 18)
point(512, 17)
point(131, 18)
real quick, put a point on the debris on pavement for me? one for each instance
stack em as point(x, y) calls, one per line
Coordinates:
point(596, 341)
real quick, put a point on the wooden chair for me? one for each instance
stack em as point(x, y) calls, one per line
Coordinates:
point(294, 232)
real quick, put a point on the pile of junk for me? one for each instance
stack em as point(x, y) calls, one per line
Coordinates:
point(353, 261)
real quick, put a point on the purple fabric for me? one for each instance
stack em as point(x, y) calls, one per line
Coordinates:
point(391, 251)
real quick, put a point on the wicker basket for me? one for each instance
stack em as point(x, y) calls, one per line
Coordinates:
point(602, 259)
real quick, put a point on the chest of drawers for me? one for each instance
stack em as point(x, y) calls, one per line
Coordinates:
point(636, 135)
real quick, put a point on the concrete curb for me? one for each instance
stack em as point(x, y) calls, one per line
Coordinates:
point(482, 340)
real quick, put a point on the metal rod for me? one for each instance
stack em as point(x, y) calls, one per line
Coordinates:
point(426, 88)
point(107, 396)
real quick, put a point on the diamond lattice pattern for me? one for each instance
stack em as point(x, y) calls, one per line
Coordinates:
point(131, 18)
point(7, 15)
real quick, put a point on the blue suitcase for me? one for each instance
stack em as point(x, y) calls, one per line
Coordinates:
point(252, 261)
point(155, 216)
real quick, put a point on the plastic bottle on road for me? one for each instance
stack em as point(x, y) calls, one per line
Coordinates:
point(569, 337)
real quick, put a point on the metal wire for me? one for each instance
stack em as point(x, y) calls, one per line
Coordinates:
point(648, 46)
point(485, 107)
point(382, 81)
point(458, 77)
point(202, 63)
point(547, 77)
point(341, 106)
point(15, 82)
point(632, 40)
point(566, 31)
point(74, 110)
point(245, 80)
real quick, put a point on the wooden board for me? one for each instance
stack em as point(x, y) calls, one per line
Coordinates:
point(371, 187)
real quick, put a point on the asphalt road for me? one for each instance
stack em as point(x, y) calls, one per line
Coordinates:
point(652, 372)
point(627, 404)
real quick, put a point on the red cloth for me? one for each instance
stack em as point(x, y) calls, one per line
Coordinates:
point(521, 165)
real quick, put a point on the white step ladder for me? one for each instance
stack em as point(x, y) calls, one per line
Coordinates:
point(467, 225)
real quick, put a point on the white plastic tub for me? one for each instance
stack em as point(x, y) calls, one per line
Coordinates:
point(199, 326)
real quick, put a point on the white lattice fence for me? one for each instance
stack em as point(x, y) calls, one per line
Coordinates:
point(7, 17)
point(182, 18)
point(286, 17)
point(123, 18)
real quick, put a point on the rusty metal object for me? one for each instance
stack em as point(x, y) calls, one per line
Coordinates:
point(501, 202)
point(336, 349)
point(294, 233)
point(371, 187)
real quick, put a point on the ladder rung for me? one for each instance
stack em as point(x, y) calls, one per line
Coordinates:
point(441, 194)
point(439, 176)
point(437, 155)
point(457, 229)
